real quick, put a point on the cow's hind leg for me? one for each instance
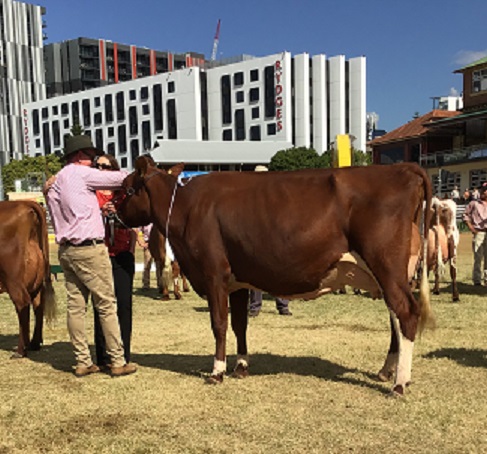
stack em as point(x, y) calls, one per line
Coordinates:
point(238, 308)
point(38, 304)
point(452, 253)
point(389, 368)
point(21, 300)
point(218, 302)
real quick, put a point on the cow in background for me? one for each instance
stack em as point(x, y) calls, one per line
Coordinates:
point(443, 240)
point(296, 234)
point(167, 269)
point(25, 270)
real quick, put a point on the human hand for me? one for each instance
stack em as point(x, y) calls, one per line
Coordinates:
point(48, 184)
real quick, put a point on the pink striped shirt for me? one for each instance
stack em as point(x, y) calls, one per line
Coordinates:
point(73, 205)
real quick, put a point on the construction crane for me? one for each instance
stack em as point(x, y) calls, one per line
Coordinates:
point(215, 42)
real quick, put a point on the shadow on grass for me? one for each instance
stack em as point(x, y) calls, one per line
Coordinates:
point(60, 356)
point(468, 289)
point(463, 356)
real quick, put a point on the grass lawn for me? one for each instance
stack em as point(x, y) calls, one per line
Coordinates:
point(312, 386)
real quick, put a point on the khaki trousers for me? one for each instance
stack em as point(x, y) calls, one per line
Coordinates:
point(88, 270)
point(479, 246)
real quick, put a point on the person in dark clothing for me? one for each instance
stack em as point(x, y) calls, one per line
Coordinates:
point(255, 304)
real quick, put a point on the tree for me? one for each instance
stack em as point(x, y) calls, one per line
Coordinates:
point(359, 158)
point(18, 170)
point(299, 158)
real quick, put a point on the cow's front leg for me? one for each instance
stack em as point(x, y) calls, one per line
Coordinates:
point(390, 365)
point(218, 302)
point(238, 308)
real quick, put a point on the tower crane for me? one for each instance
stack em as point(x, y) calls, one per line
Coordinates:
point(215, 42)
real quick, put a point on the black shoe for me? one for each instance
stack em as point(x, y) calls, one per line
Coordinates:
point(254, 313)
point(285, 312)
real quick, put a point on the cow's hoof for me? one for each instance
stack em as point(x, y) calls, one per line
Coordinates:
point(215, 379)
point(35, 346)
point(165, 298)
point(397, 391)
point(240, 371)
point(177, 296)
point(456, 299)
point(385, 375)
point(186, 289)
point(17, 355)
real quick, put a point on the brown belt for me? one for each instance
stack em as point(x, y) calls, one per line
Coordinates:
point(91, 242)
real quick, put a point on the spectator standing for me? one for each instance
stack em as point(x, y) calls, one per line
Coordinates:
point(255, 304)
point(475, 195)
point(79, 231)
point(455, 195)
point(475, 217)
point(148, 259)
point(466, 196)
point(120, 242)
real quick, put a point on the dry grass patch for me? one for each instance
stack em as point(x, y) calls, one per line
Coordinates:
point(312, 386)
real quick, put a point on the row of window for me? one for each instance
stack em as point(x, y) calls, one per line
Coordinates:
point(254, 131)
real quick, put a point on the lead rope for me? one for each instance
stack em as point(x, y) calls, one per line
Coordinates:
point(178, 183)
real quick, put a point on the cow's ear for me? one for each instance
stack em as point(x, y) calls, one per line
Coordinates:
point(142, 164)
point(176, 170)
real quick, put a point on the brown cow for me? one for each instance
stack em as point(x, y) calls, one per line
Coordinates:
point(24, 268)
point(295, 234)
point(166, 272)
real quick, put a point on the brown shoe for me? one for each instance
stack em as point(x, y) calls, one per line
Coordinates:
point(83, 371)
point(126, 369)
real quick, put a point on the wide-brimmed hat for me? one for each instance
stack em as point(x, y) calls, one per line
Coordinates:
point(78, 143)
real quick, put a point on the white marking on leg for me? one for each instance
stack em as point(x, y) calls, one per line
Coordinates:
point(242, 360)
point(404, 365)
point(219, 367)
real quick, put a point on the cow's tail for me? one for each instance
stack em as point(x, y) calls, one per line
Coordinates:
point(426, 319)
point(48, 297)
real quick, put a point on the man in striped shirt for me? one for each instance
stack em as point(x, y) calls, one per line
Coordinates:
point(83, 256)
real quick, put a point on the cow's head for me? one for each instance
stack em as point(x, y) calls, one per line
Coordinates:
point(135, 209)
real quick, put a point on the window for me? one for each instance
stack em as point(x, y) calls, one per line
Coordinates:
point(122, 140)
point(134, 149)
point(255, 132)
point(479, 80)
point(271, 129)
point(56, 134)
point(99, 139)
point(133, 126)
point(111, 131)
point(123, 163)
point(144, 93)
point(35, 121)
point(270, 93)
point(172, 126)
point(46, 137)
point(108, 108)
point(85, 107)
point(66, 124)
point(55, 110)
point(239, 124)
point(226, 100)
point(255, 113)
point(238, 79)
point(146, 135)
point(75, 113)
point(145, 109)
point(239, 96)
point(97, 119)
point(254, 75)
point(64, 109)
point(254, 94)
point(227, 135)
point(97, 102)
point(132, 95)
point(120, 100)
point(170, 87)
point(157, 107)
point(111, 148)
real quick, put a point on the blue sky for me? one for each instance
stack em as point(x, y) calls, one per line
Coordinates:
point(412, 47)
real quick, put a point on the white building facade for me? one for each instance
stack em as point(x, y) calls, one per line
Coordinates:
point(211, 119)
point(21, 72)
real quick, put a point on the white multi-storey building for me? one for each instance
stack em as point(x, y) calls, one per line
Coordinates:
point(231, 116)
point(21, 71)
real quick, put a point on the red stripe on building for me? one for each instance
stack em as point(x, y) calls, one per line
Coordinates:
point(103, 63)
point(189, 61)
point(153, 69)
point(170, 61)
point(115, 60)
point(134, 61)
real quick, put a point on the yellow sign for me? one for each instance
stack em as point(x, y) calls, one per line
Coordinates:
point(343, 152)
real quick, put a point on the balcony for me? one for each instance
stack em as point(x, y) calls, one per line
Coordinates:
point(457, 156)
